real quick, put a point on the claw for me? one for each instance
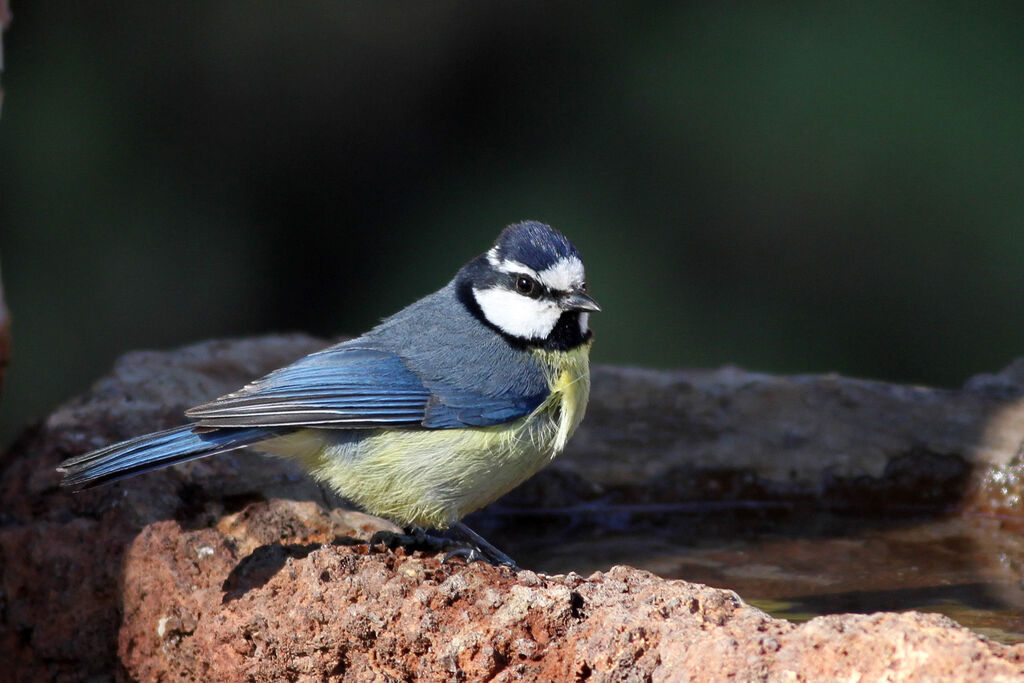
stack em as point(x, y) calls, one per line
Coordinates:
point(470, 555)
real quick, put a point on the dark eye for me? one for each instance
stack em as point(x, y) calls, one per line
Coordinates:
point(527, 286)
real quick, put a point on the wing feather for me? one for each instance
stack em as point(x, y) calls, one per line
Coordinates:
point(346, 387)
point(339, 387)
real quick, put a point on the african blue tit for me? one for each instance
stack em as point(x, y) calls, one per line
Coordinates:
point(439, 410)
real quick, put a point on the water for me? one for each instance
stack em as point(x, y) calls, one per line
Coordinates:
point(794, 562)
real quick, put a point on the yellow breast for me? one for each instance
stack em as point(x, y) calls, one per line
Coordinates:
point(569, 380)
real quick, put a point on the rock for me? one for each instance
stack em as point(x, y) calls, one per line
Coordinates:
point(698, 435)
point(197, 606)
point(200, 572)
point(62, 554)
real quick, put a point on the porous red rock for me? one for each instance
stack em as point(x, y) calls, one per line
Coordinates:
point(198, 606)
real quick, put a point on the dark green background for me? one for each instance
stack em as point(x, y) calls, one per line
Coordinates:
point(789, 187)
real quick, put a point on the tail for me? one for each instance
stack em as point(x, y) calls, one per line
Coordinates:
point(153, 451)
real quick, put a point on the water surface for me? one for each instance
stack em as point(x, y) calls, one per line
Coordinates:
point(795, 562)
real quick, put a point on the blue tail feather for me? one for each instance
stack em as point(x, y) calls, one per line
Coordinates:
point(154, 451)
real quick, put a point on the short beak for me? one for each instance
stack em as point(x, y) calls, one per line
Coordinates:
point(578, 300)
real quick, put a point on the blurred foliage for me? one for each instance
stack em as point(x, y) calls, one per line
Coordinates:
point(792, 187)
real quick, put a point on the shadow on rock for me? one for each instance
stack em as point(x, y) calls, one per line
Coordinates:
point(256, 569)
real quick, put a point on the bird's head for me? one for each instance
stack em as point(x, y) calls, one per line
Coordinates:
point(531, 287)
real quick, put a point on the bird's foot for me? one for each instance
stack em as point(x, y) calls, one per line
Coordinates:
point(411, 539)
point(471, 548)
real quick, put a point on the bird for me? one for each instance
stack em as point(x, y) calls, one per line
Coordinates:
point(437, 411)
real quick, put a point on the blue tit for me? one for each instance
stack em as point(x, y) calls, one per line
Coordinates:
point(439, 410)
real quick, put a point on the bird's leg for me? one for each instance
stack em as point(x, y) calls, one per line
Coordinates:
point(479, 549)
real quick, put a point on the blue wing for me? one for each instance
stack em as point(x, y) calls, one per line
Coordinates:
point(352, 388)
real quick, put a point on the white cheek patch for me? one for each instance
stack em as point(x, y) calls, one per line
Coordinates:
point(516, 314)
point(563, 275)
